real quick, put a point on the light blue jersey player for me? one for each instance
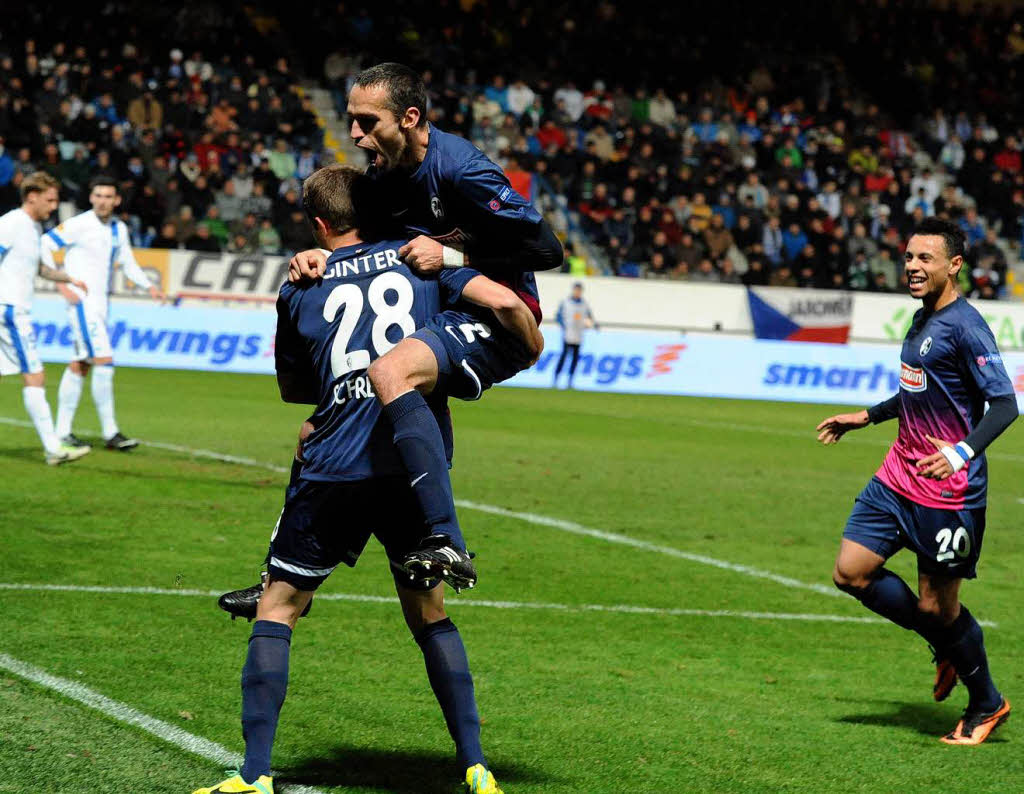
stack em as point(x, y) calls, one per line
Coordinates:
point(352, 482)
point(930, 493)
point(460, 210)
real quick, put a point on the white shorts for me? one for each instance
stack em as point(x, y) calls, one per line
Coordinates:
point(88, 332)
point(17, 342)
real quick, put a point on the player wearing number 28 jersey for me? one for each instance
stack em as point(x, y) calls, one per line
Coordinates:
point(929, 494)
point(352, 482)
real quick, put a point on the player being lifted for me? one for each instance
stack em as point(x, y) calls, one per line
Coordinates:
point(929, 494)
point(459, 210)
point(19, 265)
point(352, 483)
point(95, 242)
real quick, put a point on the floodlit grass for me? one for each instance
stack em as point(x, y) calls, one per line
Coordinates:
point(573, 700)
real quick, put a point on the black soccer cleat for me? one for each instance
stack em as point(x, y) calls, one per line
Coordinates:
point(120, 442)
point(71, 440)
point(242, 603)
point(436, 557)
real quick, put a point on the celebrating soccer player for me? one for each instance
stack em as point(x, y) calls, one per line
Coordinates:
point(19, 263)
point(352, 483)
point(459, 210)
point(96, 241)
point(929, 494)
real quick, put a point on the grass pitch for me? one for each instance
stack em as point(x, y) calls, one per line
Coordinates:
point(573, 700)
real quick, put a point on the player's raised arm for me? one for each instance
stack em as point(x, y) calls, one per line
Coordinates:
point(517, 238)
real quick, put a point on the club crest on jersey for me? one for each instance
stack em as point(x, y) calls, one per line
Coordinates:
point(926, 345)
point(913, 378)
point(436, 208)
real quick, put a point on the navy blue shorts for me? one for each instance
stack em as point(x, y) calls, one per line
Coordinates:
point(471, 355)
point(946, 542)
point(324, 524)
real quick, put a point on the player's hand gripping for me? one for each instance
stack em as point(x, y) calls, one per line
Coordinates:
point(307, 266)
point(832, 429)
point(424, 255)
point(936, 466)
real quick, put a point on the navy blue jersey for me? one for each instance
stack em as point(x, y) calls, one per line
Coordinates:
point(458, 196)
point(949, 367)
point(329, 332)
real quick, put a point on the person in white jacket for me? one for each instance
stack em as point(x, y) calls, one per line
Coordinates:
point(95, 242)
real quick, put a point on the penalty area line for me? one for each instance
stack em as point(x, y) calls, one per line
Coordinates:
point(622, 609)
point(122, 712)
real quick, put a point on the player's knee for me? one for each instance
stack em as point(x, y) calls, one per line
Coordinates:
point(386, 378)
point(849, 581)
point(936, 610)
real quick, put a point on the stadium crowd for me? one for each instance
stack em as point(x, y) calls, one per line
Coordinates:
point(803, 168)
point(209, 152)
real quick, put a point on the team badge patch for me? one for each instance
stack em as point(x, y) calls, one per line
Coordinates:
point(913, 378)
point(926, 345)
point(436, 208)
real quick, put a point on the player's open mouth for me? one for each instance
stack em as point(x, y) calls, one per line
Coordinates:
point(916, 281)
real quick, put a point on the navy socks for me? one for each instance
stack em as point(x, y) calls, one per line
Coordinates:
point(264, 684)
point(421, 448)
point(964, 646)
point(448, 671)
point(890, 597)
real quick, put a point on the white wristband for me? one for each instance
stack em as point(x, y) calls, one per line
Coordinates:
point(958, 455)
point(452, 257)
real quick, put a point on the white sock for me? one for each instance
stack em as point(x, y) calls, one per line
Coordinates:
point(68, 395)
point(39, 410)
point(103, 396)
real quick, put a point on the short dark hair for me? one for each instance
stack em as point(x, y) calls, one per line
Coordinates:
point(104, 180)
point(403, 86)
point(952, 235)
point(327, 194)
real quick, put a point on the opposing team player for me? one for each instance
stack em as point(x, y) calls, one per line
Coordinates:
point(95, 242)
point(19, 265)
point(459, 210)
point(352, 483)
point(929, 494)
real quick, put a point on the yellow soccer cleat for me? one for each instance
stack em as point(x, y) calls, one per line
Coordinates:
point(235, 785)
point(480, 781)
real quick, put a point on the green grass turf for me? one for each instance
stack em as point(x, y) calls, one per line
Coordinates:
point(572, 701)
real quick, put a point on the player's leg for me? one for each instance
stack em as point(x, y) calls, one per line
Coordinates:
point(444, 655)
point(572, 364)
point(264, 685)
point(242, 603)
point(265, 674)
point(399, 526)
point(561, 363)
point(18, 356)
point(871, 536)
point(103, 396)
point(400, 378)
point(962, 642)
point(69, 393)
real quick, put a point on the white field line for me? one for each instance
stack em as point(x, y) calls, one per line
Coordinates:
point(534, 518)
point(122, 712)
point(468, 602)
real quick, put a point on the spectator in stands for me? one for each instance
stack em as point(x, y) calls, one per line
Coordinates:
point(282, 161)
point(202, 240)
point(167, 238)
point(268, 239)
